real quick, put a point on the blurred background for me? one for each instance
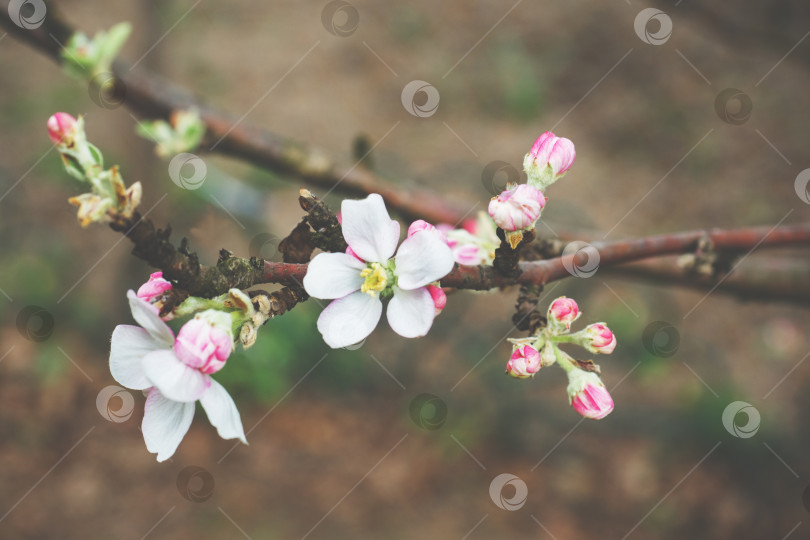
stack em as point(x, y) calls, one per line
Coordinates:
point(345, 443)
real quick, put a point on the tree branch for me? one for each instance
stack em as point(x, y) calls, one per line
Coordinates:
point(150, 96)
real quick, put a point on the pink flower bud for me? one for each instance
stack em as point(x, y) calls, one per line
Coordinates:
point(555, 151)
point(588, 395)
point(62, 128)
point(439, 297)
point(421, 225)
point(599, 338)
point(517, 208)
point(203, 345)
point(524, 363)
point(154, 288)
point(563, 311)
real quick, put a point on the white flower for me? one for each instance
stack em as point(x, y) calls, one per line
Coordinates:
point(143, 358)
point(359, 283)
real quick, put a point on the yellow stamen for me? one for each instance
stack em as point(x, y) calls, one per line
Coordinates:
point(376, 279)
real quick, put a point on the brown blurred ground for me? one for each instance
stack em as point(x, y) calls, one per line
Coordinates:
point(323, 452)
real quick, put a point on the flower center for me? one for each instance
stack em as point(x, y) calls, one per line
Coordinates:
point(376, 279)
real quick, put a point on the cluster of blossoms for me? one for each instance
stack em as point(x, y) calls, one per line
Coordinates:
point(586, 392)
point(518, 207)
point(174, 372)
point(376, 270)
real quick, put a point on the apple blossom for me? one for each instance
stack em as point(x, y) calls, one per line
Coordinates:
point(174, 375)
point(517, 208)
point(588, 395)
point(562, 312)
point(62, 128)
point(357, 285)
point(597, 338)
point(524, 363)
point(548, 160)
point(153, 290)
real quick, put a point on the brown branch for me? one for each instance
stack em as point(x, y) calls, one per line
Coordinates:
point(183, 268)
point(769, 281)
point(150, 96)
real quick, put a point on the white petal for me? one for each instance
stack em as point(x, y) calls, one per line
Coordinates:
point(165, 423)
point(410, 313)
point(423, 258)
point(222, 412)
point(173, 378)
point(333, 275)
point(130, 344)
point(147, 316)
point(349, 320)
point(368, 229)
